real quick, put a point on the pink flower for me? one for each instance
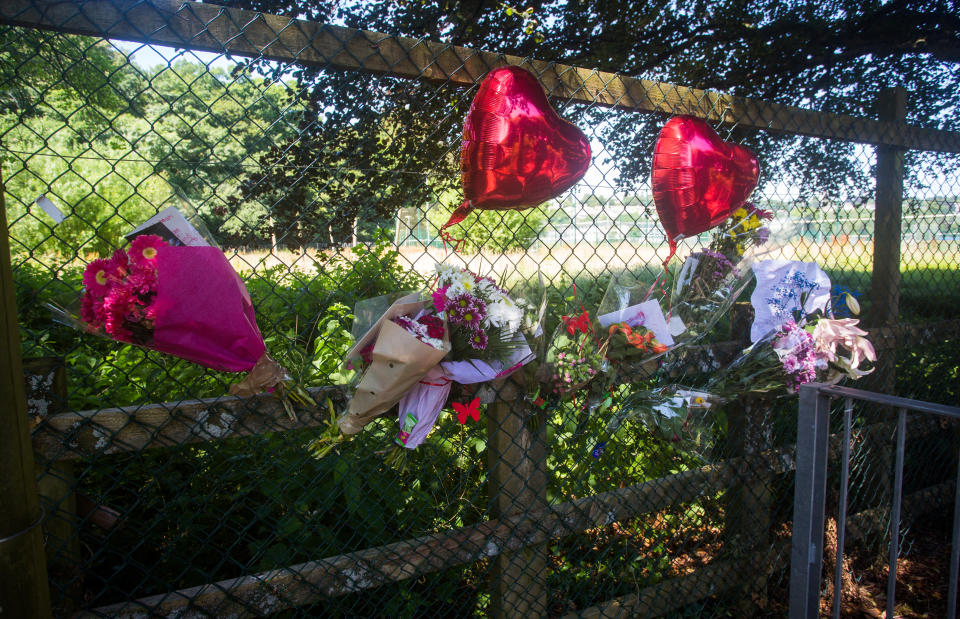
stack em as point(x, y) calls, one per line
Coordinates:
point(97, 277)
point(121, 263)
point(142, 282)
point(143, 250)
point(91, 310)
point(118, 305)
point(366, 353)
point(440, 299)
point(830, 334)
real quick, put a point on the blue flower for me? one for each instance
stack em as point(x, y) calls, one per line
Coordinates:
point(838, 300)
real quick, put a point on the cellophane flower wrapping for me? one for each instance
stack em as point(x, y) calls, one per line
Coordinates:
point(677, 415)
point(487, 328)
point(713, 278)
point(394, 359)
point(181, 300)
point(575, 357)
point(796, 339)
point(633, 321)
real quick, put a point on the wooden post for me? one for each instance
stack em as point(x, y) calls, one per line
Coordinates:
point(885, 285)
point(46, 384)
point(24, 591)
point(517, 465)
point(749, 497)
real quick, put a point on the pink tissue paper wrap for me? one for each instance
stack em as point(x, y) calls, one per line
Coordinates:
point(204, 313)
point(424, 401)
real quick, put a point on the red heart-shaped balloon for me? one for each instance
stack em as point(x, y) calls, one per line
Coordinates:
point(517, 152)
point(697, 178)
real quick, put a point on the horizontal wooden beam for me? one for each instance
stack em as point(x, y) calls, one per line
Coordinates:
point(872, 523)
point(68, 436)
point(236, 32)
point(675, 593)
point(306, 583)
point(898, 337)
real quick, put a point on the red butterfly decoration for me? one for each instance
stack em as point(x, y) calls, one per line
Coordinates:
point(581, 323)
point(463, 410)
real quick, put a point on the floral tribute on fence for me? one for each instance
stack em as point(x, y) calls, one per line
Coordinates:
point(176, 293)
point(649, 351)
point(655, 345)
point(464, 330)
point(796, 339)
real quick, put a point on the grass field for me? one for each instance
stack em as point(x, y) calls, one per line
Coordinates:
point(930, 270)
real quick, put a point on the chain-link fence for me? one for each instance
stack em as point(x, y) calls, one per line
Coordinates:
point(324, 159)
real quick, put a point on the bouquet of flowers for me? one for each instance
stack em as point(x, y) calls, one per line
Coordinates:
point(474, 332)
point(712, 279)
point(675, 414)
point(176, 293)
point(487, 343)
point(796, 339)
point(634, 322)
point(576, 356)
point(394, 353)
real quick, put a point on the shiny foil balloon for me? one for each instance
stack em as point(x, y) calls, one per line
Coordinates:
point(698, 179)
point(517, 152)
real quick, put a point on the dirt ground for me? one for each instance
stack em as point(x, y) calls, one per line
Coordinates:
point(922, 575)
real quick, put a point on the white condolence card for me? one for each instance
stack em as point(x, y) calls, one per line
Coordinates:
point(170, 225)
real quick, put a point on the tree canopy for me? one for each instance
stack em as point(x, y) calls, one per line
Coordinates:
point(303, 155)
point(832, 56)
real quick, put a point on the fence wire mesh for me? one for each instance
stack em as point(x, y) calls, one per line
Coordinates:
point(323, 164)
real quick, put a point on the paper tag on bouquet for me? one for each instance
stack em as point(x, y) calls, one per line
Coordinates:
point(405, 305)
point(647, 314)
point(171, 226)
point(686, 272)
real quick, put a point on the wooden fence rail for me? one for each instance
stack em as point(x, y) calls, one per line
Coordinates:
point(307, 583)
point(73, 435)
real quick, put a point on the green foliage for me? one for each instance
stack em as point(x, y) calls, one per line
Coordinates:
point(493, 231)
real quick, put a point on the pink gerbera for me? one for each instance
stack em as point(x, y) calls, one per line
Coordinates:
point(121, 263)
point(142, 282)
point(91, 310)
point(118, 305)
point(98, 277)
point(143, 250)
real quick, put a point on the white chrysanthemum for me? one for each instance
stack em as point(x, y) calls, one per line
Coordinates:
point(504, 314)
point(489, 291)
point(446, 274)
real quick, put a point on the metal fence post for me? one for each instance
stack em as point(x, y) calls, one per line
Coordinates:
point(24, 591)
point(517, 464)
point(806, 556)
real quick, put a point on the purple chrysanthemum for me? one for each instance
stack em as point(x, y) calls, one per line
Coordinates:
point(467, 311)
point(478, 340)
